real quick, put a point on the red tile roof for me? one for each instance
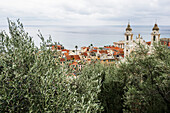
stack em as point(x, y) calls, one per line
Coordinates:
point(62, 59)
point(149, 43)
point(116, 53)
point(66, 54)
point(103, 51)
point(95, 47)
point(93, 51)
point(114, 48)
point(122, 56)
point(118, 49)
point(85, 54)
point(66, 50)
point(108, 47)
point(85, 47)
point(76, 57)
point(68, 57)
point(71, 57)
point(121, 52)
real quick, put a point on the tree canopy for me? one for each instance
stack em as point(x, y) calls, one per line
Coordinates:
point(31, 79)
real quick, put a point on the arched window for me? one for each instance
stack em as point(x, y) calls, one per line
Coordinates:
point(154, 38)
point(127, 38)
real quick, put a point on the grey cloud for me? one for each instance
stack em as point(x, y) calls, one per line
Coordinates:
point(88, 12)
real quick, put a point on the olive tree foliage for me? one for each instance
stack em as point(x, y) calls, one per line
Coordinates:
point(112, 91)
point(31, 80)
point(140, 84)
point(88, 87)
point(148, 85)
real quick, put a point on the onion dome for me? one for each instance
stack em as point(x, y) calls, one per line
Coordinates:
point(156, 27)
point(128, 28)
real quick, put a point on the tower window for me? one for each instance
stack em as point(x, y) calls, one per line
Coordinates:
point(127, 38)
point(154, 38)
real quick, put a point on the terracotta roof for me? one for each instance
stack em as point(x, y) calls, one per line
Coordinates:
point(56, 45)
point(116, 53)
point(108, 47)
point(62, 59)
point(66, 54)
point(117, 49)
point(93, 51)
point(121, 52)
point(65, 50)
point(76, 57)
point(149, 43)
point(85, 54)
point(72, 56)
point(68, 57)
point(103, 51)
point(85, 47)
point(114, 48)
point(95, 47)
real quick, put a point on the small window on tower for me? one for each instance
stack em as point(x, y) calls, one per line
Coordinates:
point(154, 38)
point(127, 38)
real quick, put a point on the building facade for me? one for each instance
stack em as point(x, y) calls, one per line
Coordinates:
point(132, 45)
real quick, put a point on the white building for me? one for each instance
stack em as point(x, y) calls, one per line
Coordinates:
point(131, 45)
point(119, 44)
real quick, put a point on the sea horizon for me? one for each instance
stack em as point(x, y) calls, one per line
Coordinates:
point(98, 35)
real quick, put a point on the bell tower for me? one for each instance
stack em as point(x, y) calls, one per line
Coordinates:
point(155, 35)
point(128, 40)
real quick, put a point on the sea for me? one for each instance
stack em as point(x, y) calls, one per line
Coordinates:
point(99, 36)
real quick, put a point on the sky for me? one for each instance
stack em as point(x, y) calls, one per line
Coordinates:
point(86, 12)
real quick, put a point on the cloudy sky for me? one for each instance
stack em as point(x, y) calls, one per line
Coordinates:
point(86, 12)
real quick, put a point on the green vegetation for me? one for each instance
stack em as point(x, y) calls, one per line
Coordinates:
point(32, 81)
